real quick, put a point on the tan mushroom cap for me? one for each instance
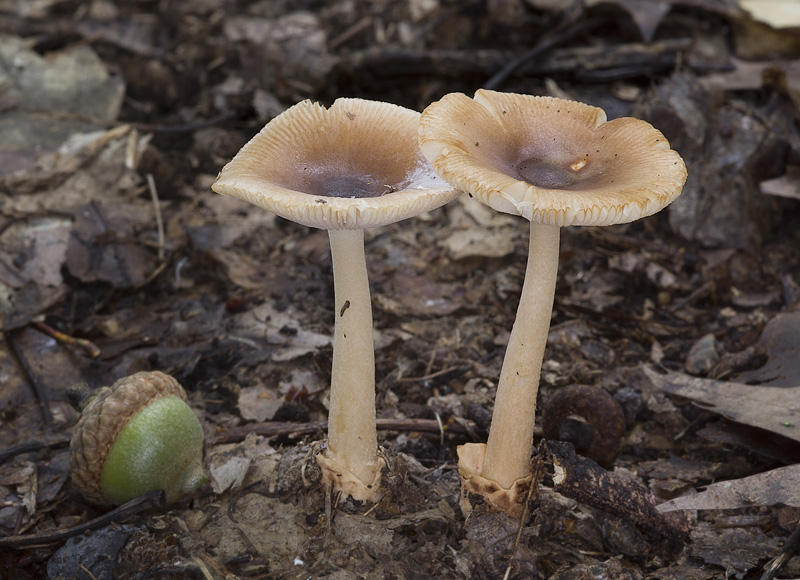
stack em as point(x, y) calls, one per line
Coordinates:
point(552, 161)
point(354, 165)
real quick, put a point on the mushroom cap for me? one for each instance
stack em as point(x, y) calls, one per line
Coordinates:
point(552, 161)
point(354, 165)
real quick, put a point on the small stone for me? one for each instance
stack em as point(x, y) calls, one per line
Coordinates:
point(702, 356)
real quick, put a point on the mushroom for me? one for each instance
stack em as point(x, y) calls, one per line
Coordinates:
point(353, 166)
point(556, 163)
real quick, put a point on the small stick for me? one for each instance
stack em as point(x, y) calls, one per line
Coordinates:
point(155, 498)
point(275, 428)
point(789, 549)
point(448, 373)
point(38, 387)
point(546, 44)
point(526, 510)
point(30, 447)
point(88, 346)
point(183, 127)
point(151, 184)
point(355, 29)
point(584, 480)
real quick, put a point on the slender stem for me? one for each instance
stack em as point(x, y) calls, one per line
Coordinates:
point(352, 436)
point(508, 450)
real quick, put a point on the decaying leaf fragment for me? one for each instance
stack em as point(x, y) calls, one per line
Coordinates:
point(646, 14)
point(787, 185)
point(46, 100)
point(779, 486)
point(775, 409)
point(775, 13)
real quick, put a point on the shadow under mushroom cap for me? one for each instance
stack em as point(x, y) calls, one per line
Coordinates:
point(351, 166)
point(550, 160)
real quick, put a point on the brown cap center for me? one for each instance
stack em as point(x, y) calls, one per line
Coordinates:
point(348, 186)
point(545, 175)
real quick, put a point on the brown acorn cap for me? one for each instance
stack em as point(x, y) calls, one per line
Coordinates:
point(355, 165)
point(104, 416)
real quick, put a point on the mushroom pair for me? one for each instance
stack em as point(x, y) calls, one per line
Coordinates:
point(360, 164)
point(353, 166)
point(556, 163)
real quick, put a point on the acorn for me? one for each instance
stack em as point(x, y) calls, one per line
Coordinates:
point(136, 436)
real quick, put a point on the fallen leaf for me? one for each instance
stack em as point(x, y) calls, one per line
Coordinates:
point(252, 274)
point(781, 341)
point(103, 247)
point(787, 185)
point(775, 409)
point(406, 294)
point(776, 13)
point(258, 403)
point(736, 550)
point(478, 242)
point(134, 34)
point(226, 220)
point(779, 486)
point(230, 474)
point(32, 252)
point(51, 98)
point(484, 216)
point(280, 330)
point(646, 14)
point(752, 76)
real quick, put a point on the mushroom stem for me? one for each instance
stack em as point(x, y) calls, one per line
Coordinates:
point(508, 450)
point(352, 435)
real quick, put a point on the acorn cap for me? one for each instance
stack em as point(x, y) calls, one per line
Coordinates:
point(355, 165)
point(102, 419)
point(552, 161)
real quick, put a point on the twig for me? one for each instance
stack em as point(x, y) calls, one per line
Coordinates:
point(696, 294)
point(184, 127)
point(38, 387)
point(277, 428)
point(30, 447)
point(250, 489)
point(526, 510)
point(86, 571)
point(550, 42)
point(151, 184)
point(441, 375)
point(88, 346)
point(789, 549)
point(155, 498)
point(354, 30)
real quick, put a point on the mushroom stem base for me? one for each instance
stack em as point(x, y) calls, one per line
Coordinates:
point(346, 482)
point(477, 489)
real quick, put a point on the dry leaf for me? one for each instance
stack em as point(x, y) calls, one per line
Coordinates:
point(476, 242)
point(258, 403)
point(775, 409)
point(787, 185)
point(779, 486)
point(406, 294)
point(281, 331)
point(776, 13)
point(781, 341)
point(646, 14)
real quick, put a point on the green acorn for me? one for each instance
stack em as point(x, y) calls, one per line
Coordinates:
point(136, 436)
